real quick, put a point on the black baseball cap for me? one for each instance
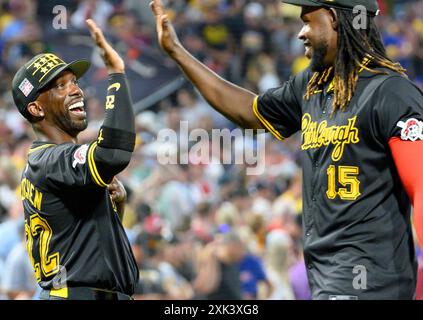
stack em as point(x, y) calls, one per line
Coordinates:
point(37, 73)
point(370, 5)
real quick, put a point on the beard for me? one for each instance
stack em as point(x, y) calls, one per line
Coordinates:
point(317, 63)
point(72, 127)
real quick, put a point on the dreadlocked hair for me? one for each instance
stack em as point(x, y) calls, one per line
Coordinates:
point(356, 48)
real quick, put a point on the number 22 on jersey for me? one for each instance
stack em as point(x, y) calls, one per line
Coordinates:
point(48, 263)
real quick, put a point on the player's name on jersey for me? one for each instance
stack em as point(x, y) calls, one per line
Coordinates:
point(30, 193)
point(316, 135)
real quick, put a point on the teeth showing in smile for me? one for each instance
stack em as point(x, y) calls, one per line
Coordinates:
point(77, 105)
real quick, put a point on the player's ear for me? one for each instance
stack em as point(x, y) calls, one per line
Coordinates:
point(36, 110)
point(334, 18)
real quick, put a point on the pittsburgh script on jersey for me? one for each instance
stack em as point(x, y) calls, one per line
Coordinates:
point(316, 135)
point(32, 194)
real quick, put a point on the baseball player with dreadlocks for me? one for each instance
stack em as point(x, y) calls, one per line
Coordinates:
point(361, 124)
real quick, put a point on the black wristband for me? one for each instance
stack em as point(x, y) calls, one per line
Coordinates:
point(112, 138)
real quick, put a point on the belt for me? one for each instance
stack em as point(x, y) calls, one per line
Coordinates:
point(82, 293)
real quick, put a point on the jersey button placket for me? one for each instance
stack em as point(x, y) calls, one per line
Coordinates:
point(329, 98)
point(315, 164)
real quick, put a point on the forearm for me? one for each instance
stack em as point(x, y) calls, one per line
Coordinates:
point(120, 207)
point(119, 113)
point(232, 101)
point(116, 139)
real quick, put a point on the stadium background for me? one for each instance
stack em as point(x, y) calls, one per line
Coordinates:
point(198, 230)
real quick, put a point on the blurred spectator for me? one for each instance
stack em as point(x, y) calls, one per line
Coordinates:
point(98, 10)
point(175, 202)
point(278, 260)
point(263, 195)
point(218, 268)
point(18, 280)
point(10, 234)
point(126, 28)
point(299, 280)
point(254, 282)
point(21, 35)
point(191, 108)
point(202, 223)
point(175, 285)
point(227, 216)
point(9, 181)
point(159, 274)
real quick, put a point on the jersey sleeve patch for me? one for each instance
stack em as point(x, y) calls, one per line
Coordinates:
point(80, 155)
point(411, 129)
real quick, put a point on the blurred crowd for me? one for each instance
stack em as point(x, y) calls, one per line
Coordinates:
point(204, 229)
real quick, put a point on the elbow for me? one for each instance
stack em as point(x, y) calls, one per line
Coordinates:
point(120, 158)
point(111, 161)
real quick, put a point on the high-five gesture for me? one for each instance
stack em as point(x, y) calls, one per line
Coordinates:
point(167, 37)
point(232, 101)
point(111, 58)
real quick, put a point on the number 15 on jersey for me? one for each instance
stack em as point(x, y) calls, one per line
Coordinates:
point(343, 182)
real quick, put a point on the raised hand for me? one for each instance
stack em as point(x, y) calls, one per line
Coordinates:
point(111, 58)
point(166, 34)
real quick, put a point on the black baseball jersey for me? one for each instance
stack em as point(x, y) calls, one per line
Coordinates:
point(356, 214)
point(74, 235)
